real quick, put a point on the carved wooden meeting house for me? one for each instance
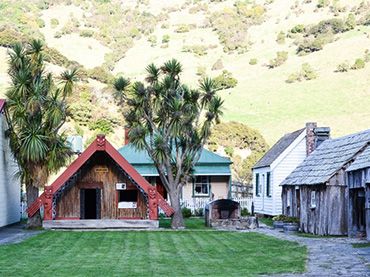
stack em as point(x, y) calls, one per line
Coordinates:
point(100, 189)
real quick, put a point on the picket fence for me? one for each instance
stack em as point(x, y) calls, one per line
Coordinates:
point(199, 203)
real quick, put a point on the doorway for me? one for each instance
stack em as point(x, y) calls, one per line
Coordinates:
point(90, 203)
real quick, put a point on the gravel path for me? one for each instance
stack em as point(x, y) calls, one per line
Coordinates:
point(329, 256)
point(15, 234)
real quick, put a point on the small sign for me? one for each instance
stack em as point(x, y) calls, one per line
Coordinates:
point(120, 186)
point(101, 169)
point(127, 205)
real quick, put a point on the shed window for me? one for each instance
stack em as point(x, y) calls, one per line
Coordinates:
point(268, 185)
point(313, 199)
point(127, 195)
point(201, 186)
point(288, 198)
point(257, 184)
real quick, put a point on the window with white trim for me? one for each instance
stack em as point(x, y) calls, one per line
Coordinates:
point(201, 186)
point(258, 187)
point(313, 199)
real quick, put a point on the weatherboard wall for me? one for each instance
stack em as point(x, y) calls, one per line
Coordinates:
point(10, 189)
point(287, 161)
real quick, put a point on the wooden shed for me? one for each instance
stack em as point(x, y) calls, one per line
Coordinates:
point(100, 189)
point(316, 191)
point(358, 182)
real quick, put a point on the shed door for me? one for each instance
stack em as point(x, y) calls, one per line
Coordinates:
point(90, 201)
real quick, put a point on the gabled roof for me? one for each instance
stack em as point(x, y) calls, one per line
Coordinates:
point(99, 144)
point(361, 161)
point(209, 163)
point(278, 148)
point(331, 156)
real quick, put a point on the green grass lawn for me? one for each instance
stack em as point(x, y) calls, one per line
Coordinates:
point(361, 245)
point(151, 253)
point(190, 223)
point(266, 220)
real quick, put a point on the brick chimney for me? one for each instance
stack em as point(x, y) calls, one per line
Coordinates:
point(310, 137)
point(127, 139)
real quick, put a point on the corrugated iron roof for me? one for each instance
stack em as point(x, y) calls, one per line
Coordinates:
point(361, 161)
point(327, 159)
point(209, 163)
point(278, 149)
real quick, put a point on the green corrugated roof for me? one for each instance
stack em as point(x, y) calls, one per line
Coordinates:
point(209, 163)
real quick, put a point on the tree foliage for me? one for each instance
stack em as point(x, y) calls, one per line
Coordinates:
point(171, 121)
point(36, 109)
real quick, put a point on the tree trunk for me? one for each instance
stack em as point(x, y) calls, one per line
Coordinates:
point(177, 218)
point(32, 193)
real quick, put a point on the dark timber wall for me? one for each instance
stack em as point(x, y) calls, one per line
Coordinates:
point(101, 173)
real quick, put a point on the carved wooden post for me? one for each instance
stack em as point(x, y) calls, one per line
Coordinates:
point(48, 203)
point(153, 203)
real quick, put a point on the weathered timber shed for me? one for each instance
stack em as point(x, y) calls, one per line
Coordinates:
point(100, 189)
point(358, 182)
point(316, 190)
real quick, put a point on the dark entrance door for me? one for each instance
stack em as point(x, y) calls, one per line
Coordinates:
point(90, 203)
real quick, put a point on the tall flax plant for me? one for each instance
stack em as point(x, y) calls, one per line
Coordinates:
point(36, 110)
point(171, 122)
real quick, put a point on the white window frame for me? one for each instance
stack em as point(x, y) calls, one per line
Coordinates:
point(288, 198)
point(313, 199)
point(205, 181)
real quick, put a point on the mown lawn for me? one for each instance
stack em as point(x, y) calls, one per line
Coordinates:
point(190, 223)
point(151, 253)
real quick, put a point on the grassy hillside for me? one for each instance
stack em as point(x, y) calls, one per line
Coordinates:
point(244, 35)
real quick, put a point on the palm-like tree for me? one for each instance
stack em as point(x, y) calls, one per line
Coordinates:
point(171, 122)
point(36, 110)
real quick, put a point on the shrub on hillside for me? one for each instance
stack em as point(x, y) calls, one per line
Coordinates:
point(198, 50)
point(306, 73)
point(281, 58)
point(280, 38)
point(182, 28)
point(153, 40)
point(323, 3)
point(201, 71)
point(9, 36)
point(350, 22)
point(300, 28)
point(86, 33)
point(100, 74)
point(166, 39)
point(359, 64)
point(102, 125)
point(343, 67)
point(253, 61)
point(226, 80)
point(54, 22)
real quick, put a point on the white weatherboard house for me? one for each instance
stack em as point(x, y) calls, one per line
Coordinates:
point(10, 188)
point(278, 163)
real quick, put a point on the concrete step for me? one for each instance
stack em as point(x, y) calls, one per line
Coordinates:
point(101, 224)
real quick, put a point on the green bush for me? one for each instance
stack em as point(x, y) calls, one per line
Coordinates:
point(166, 39)
point(9, 36)
point(226, 80)
point(359, 64)
point(306, 73)
point(40, 23)
point(280, 38)
point(186, 213)
point(281, 58)
point(201, 71)
point(343, 67)
point(300, 28)
point(153, 40)
point(54, 22)
point(183, 28)
point(253, 61)
point(86, 33)
point(350, 22)
point(313, 44)
point(280, 217)
point(244, 212)
point(367, 56)
point(100, 74)
point(229, 150)
point(198, 50)
point(102, 125)
point(323, 3)
point(53, 56)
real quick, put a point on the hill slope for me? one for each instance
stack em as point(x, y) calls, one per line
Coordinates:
point(124, 38)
